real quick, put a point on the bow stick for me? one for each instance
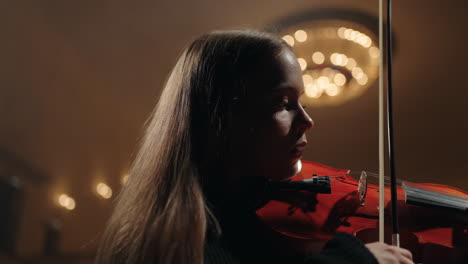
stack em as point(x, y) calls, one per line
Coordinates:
point(391, 152)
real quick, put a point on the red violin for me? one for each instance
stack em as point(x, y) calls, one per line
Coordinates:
point(321, 201)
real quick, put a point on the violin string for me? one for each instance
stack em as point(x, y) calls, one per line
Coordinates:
point(333, 177)
point(377, 175)
point(336, 177)
point(340, 175)
point(387, 180)
point(424, 187)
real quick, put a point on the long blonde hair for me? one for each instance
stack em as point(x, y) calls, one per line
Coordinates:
point(161, 214)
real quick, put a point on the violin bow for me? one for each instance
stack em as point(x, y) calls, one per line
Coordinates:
point(391, 151)
point(381, 130)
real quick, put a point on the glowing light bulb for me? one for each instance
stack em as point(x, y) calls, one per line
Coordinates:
point(347, 33)
point(104, 190)
point(351, 64)
point(340, 32)
point(345, 60)
point(332, 90)
point(341, 59)
point(300, 35)
point(289, 39)
point(357, 73)
point(339, 79)
point(333, 58)
point(363, 40)
point(359, 37)
point(318, 57)
point(307, 79)
point(312, 91)
point(62, 199)
point(302, 63)
point(363, 80)
point(66, 202)
point(124, 179)
point(323, 82)
point(353, 35)
point(367, 42)
point(70, 204)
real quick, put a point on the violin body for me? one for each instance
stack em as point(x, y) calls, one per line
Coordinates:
point(305, 220)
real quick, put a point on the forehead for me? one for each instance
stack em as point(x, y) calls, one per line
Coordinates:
point(278, 74)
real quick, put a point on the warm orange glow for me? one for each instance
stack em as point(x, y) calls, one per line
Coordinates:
point(339, 59)
point(360, 38)
point(323, 82)
point(307, 79)
point(333, 58)
point(66, 202)
point(353, 35)
point(312, 90)
point(302, 63)
point(367, 42)
point(340, 32)
point(351, 63)
point(342, 59)
point(289, 39)
point(374, 52)
point(347, 33)
point(124, 179)
point(318, 57)
point(363, 80)
point(339, 79)
point(104, 190)
point(357, 73)
point(332, 90)
point(300, 35)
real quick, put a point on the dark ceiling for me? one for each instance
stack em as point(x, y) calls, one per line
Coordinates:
point(79, 78)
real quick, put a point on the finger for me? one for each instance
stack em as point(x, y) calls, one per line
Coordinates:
point(406, 253)
point(403, 255)
point(405, 260)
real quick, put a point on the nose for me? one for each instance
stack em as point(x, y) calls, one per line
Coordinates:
point(305, 121)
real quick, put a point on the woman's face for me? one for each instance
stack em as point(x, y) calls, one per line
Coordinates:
point(273, 136)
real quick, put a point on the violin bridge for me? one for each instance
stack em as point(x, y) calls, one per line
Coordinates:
point(362, 187)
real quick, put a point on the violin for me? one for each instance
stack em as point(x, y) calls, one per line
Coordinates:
point(321, 201)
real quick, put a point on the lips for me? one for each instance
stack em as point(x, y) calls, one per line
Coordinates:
point(297, 150)
point(301, 145)
point(296, 154)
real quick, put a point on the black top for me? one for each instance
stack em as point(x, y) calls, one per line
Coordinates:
point(343, 248)
point(246, 239)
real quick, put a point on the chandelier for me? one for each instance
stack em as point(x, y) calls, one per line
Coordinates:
point(337, 52)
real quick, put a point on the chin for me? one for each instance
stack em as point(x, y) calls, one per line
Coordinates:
point(296, 168)
point(288, 172)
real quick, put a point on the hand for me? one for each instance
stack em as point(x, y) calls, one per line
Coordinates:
point(386, 254)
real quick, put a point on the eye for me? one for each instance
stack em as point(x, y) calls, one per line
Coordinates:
point(287, 103)
point(284, 103)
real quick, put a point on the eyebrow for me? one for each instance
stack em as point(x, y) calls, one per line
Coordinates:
point(286, 88)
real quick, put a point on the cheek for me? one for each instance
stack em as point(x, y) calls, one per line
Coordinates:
point(272, 158)
point(281, 123)
point(274, 131)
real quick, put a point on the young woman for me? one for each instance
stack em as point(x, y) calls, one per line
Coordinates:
point(229, 119)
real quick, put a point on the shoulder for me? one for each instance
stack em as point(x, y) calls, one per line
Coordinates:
point(216, 252)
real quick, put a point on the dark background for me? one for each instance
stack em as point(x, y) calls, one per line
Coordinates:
point(79, 78)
